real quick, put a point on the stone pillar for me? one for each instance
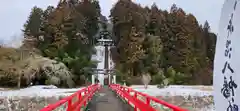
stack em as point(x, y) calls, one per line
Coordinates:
point(109, 79)
point(93, 79)
point(114, 79)
point(106, 65)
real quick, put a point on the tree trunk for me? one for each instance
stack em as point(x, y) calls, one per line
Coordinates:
point(19, 80)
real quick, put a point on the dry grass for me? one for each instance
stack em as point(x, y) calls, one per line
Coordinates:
point(11, 64)
point(15, 62)
point(29, 65)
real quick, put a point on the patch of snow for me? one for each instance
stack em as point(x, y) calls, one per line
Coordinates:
point(178, 90)
point(208, 108)
point(174, 90)
point(40, 91)
point(44, 87)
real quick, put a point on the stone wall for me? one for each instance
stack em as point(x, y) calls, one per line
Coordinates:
point(190, 103)
point(37, 103)
point(192, 98)
point(26, 103)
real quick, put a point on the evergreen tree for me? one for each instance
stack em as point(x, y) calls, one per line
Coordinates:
point(34, 22)
point(170, 40)
point(66, 33)
point(171, 46)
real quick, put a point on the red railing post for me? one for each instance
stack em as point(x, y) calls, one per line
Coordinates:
point(147, 101)
point(82, 99)
point(135, 109)
point(69, 106)
point(87, 90)
point(124, 92)
point(80, 96)
point(135, 95)
point(85, 94)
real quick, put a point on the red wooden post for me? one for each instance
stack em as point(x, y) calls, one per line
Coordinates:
point(135, 109)
point(135, 95)
point(79, 96)
point(69, 108)
point(147, 101)
point(128, 90)
point(85, 103)
point(87, 91)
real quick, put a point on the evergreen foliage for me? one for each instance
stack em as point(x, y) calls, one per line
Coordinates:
point(65, 33)
point(171, 46)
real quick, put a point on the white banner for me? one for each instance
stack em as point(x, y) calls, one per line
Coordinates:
point(227, 61)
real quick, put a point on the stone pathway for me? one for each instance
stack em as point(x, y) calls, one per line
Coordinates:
point(107, 100)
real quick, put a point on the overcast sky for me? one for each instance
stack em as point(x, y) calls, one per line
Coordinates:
point(13, 13)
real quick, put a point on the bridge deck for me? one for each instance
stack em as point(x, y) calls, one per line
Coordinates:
point(106, 100)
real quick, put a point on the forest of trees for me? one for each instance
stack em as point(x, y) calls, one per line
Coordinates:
point(168, 45)
point(65, 33)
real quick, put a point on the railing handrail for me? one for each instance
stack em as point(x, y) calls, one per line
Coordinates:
point(84, 100)
point(137, 103)
point(62, 101)
point(91, 89)
point(148, 97)
point(164, 103)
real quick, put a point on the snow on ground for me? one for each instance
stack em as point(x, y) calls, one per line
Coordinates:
point(172, 90)
point(179, 90)
point(40, 91)
point(175, 90)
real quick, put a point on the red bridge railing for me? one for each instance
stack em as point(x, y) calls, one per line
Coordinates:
point(75, 101)
point(137, 104)
point(125, 92)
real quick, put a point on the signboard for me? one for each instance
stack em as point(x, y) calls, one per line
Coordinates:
point(227, 61)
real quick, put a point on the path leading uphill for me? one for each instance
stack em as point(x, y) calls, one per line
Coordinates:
point(107, 100)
